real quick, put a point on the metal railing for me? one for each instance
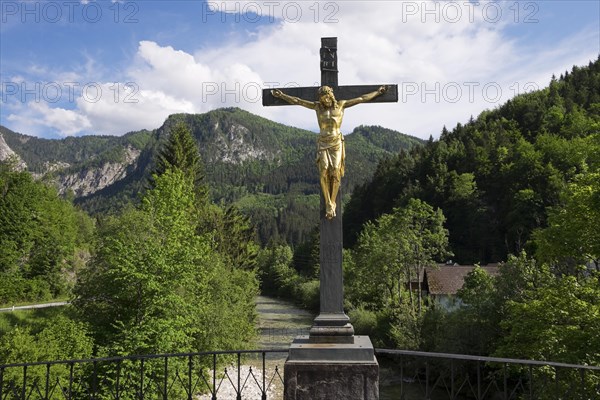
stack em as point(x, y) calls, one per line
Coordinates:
point(250, 374)
point(257, 374)
point(422, 375)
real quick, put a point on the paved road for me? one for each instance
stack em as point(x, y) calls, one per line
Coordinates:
point(32, 306)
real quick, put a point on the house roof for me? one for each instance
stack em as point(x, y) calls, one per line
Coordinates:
point(448, 279)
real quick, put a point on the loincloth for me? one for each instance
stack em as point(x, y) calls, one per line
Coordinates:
point(331, 153)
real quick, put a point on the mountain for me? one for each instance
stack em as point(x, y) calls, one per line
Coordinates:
point(267, 169)
point(496, 177)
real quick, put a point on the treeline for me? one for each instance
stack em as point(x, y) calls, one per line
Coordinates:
point(174, 274)
point(520, 185)
point(81, 152)
point(496, 176)
point(44, 240)
point(252, 163)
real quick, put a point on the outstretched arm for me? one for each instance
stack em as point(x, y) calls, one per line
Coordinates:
point(293, 100)
point(365, 97)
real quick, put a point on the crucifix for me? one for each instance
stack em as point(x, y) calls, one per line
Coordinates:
point(329, 101)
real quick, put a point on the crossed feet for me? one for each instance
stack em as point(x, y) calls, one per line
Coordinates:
point(330, 210)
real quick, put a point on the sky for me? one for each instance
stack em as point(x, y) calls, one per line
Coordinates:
point(75, 67)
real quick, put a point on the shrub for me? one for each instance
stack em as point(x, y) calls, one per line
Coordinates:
point(364, 321)
point(308, 295)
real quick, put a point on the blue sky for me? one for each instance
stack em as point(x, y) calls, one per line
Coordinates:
point(107, 67)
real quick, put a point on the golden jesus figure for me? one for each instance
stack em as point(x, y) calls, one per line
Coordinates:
point(330, 145)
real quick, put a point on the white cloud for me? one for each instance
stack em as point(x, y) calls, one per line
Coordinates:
point(447, 71)
point(123, 108)
point(450, 60)
point(38, 115)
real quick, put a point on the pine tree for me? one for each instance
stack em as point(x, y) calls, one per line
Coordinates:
point(181, 152)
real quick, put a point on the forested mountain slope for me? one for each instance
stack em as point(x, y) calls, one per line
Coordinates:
point(265, 167)
point(495, 176)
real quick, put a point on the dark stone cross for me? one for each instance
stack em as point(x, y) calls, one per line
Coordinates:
point(332, 325)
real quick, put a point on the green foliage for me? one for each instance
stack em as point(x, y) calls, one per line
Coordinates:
point(181, 152)
point(279, 278)
point(477, 290)
point(35, 319)
point(41, 238)
point(228, 321)
point(474, 328)
point(363, 321)
point(307, 256)
point(274, 270)
point(558, 322)
point(16, 288)
point(308, 294)
point(394, 251)
point(234, 235)
point(245, 156)
point(495, 177)
point(156, 285)
point(572, 237)
point(59, 338)
point(390, 254)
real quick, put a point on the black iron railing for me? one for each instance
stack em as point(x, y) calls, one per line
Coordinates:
point(257, 374)
point(421, 375)
point(251, 374)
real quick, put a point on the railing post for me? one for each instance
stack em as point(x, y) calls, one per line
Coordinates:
point(478, 381)
point(117, 389)
point(427, 394)
point(583, 390)
point(505, 382)
point(24, 382)
point(530, 382)
point(452, 379)
point(47, 381)
point(401, 375)
point(71, 366)
point(239, 392)
point(94, 380)
point(142, 379)
point(556, 382)
point(214, 391)
point(166, 379)
point(190, 377)
point(264, 376)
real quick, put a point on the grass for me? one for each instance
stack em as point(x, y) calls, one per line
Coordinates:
point(34, 319)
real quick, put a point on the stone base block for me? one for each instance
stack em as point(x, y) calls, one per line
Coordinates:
point(331, 372)
point(332, 328)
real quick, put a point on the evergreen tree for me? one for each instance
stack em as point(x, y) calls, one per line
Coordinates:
point(496, 176)
point(156, 285)
point(180, 151)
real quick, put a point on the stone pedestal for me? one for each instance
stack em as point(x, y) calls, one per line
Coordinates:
point(331, 371)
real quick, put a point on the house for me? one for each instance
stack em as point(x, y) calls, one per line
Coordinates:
point(441, 283)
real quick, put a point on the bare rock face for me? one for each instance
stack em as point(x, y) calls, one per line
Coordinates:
point(91, 180)
point(237, 145)
point(8, 153)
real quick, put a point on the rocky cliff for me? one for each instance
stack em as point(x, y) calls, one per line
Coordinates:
point(248, 159)
point(90, 180)
point(7, 153)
